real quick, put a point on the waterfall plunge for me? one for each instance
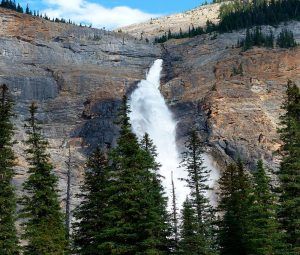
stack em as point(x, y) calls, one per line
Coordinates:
point(150, 114)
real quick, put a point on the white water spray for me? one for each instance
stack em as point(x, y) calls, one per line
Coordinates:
point(150, 114)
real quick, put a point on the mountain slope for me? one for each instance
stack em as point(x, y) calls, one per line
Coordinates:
point(159, 26)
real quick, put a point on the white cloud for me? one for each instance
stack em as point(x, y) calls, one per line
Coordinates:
point(95, 14)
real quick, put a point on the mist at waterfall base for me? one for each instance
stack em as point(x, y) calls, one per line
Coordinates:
point(150, 114)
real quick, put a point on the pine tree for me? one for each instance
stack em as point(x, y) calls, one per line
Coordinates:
point(27, 11)
point(20, 9)
point(286, 39)
point(189, 243)
point(174, 219)
point(43, 221)
point(8, 233)
point(263, 235)
point(158, 213)
point(90, 215)
point(198, 177)
point(68, 195)
point(289, 173)
point(235, 202)
point(135, 223)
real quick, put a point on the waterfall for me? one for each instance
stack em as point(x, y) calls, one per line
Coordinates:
point(150, 114)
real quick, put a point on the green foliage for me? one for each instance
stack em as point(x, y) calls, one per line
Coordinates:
point(198, 177)
point(239, 15)
point(255, 37)
point(90, 215)
point(238, 71)
point(263, 234)
point(8, 235)
point(9, 4)
point(189, 243)
point(44, 223)
point(286, 39)
point(159, 219)
point(289, 173)
point(174, 220)
point(192, 32)
point(235, 202)
point(130, 203)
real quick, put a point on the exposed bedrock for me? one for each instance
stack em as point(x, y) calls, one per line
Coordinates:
point(78, 75)
point(234, 98)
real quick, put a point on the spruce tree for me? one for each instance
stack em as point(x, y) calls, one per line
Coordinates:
point(289, 172)
point(263, 235)
point(19, 9)
point(158, 214)
point(189, 243)
point(135, 223)
point(234, 205)
point(286, 39)
point(174, 219)
point(8, 233)
point(90, 215)
point(43, 224)
point(198, 177)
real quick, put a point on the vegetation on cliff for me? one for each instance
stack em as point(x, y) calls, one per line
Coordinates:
point(239, 15)
point(256, 37)
point(286, 39)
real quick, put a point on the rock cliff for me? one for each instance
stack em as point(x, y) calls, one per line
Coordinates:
point(77, 76)
point(234, 97)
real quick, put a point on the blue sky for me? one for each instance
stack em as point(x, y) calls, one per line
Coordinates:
point(110, 13)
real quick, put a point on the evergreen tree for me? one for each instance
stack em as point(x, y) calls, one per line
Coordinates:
point(27, 10)
point(136, 226)
point(286, 39)
point(20, 9)
point(256, 38)
point(158, 214)
point(174, 219)
point(235, 202)
point(90, 215)
point(189, 243)
point(263, 235)
point(198, 177)
point(43, 224)
point(8, 233)
point(289, 173)
point(239, 14)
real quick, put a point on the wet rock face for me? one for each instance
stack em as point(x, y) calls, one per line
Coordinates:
point(100, 128)
point(77, 76)
point(234, 96)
